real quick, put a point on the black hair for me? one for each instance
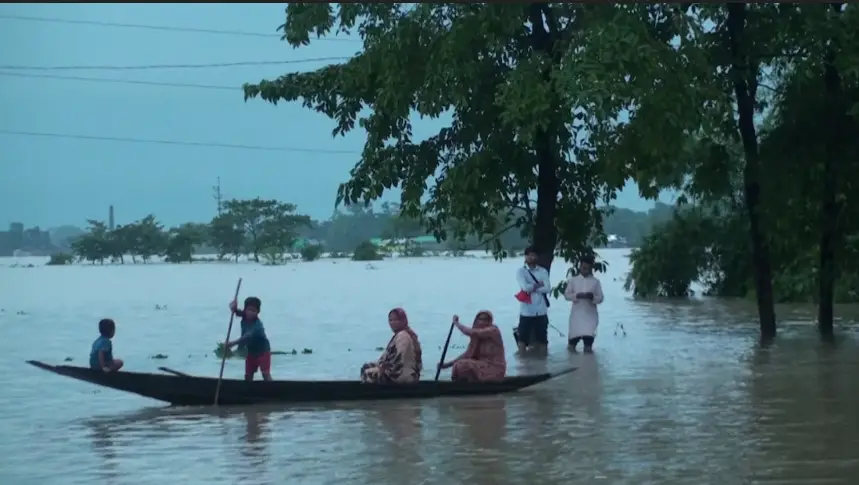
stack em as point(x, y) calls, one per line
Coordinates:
point(106, 327)
point(254, 302)
point(588, 259)
point(530, 250)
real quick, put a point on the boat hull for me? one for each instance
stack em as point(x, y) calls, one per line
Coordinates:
point(186, 390)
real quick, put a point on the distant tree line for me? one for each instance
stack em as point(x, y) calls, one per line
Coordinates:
point(348, 228)
point(257, 228)
point(268, 229)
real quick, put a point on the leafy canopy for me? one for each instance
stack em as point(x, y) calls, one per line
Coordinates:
point(510, 89)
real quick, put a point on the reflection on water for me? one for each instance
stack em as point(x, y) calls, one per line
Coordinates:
point(103, 445)
point(480, 442)
point(808, 400)
point(687, 397)
point(254, 444)
point(391, 434)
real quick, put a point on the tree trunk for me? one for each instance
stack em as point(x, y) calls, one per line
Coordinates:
point(548, 185)
point(828, 236)
point(545, 231)
point(829, 206)
point(744, 78)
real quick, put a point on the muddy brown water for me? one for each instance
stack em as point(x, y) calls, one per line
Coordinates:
point(686, 397)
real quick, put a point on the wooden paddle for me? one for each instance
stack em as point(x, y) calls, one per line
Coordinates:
point(224, 357)
point(444, 352)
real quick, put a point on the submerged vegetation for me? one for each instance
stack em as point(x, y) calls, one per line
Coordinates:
point(241, 353)
point(61, 259)
point(366, 251)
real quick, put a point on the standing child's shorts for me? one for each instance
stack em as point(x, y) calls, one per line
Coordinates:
point(261, 362)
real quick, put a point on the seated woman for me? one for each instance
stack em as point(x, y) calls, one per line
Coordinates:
point(401, 362)
point(484, 359)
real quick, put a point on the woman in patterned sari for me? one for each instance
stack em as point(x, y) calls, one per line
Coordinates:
point(401, 362)
point(484, 359)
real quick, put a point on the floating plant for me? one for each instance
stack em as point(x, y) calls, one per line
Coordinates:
point(241, 353)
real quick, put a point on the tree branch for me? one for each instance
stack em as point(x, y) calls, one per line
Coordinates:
point(526, 205)
point(493, 237)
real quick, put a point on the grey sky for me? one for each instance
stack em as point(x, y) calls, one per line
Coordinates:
point(52, 181)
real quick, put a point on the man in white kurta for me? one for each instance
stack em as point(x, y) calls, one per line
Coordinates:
point(585, 291)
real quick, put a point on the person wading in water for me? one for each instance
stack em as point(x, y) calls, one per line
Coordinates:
point(534, 286)
point(585, 291)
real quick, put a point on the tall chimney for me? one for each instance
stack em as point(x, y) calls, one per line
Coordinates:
point(110, 218)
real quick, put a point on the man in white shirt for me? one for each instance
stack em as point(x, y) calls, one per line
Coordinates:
point(534, 285)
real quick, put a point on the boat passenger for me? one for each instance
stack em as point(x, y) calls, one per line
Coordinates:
point(253, 339)
point(484, 359)
point(402, 360)
point(101, 355)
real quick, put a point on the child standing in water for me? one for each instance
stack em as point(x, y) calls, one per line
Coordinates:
point(253, 339)
point(101, 355)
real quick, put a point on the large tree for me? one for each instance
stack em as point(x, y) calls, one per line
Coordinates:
point(267, 224)
point(506, 76)
point(710, 57)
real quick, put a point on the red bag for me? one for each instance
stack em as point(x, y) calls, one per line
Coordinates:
point(523, 296)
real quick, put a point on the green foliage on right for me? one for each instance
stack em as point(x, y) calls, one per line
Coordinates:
point(794, 171)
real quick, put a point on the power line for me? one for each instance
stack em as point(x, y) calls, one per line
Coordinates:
point(119, 81)
point(31, 18)
point(176, 142)
point(170, 66)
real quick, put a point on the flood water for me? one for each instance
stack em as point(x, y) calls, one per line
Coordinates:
point(685, 397)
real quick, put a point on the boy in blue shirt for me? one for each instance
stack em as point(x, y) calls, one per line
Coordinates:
point(101, 355)
point(253, 339)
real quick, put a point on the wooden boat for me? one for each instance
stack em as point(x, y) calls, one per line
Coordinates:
point(182, 389)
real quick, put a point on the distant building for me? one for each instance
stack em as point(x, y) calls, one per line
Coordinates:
point(303, 241)
point(5, 243)
point(426, 242)
point(32, 241)
point(615, 241)
point(16, 234)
